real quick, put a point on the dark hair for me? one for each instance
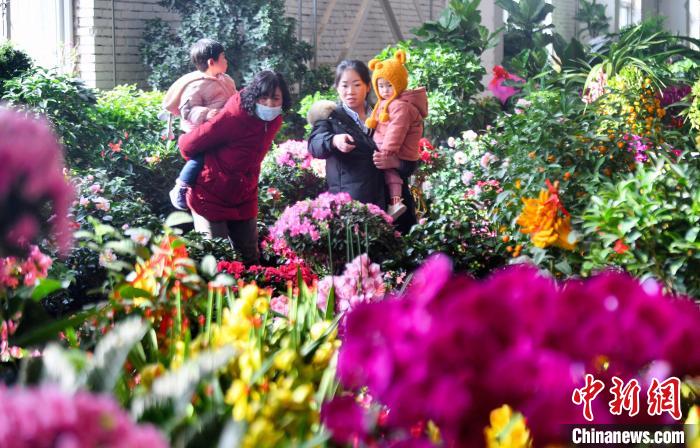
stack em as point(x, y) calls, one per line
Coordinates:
point(263, 85)
point(353, 64)
point(203, 50)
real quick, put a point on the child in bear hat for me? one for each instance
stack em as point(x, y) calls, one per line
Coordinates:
point(398, 120)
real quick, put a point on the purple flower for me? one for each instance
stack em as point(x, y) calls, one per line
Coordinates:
point(345, 418)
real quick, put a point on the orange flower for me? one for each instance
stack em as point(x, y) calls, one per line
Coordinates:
point(546, 220)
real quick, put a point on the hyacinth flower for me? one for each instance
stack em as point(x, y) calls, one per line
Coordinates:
point(451, 350)
point(31, 178)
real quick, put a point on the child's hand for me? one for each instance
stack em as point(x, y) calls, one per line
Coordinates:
point(385, 161)
point(343, 142)
point(212, 113)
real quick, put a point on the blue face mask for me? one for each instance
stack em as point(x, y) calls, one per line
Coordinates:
point(267, 113)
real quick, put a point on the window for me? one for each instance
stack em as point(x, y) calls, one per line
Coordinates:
point(694, 18)
point(629, 12)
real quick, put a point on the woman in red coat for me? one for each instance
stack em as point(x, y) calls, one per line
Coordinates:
point(224, 200)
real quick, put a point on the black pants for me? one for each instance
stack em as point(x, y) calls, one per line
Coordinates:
point(404, 222)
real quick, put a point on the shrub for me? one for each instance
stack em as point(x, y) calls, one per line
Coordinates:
point(256, 35)
point(13, 62)
point(289, 174)
point(648, 223)
point(129, 109)
point(70, 107)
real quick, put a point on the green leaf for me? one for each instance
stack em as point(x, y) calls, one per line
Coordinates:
point(178, 218)
point(45, 287)
point(111, 352)
point(129, 292)
point(208, 266)
point(692, 234)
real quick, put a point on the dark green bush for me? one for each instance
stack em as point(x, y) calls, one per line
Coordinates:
point(70, 107)
point(256, 34)
point(13, 62)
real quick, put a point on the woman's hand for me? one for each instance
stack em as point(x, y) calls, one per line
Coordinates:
point(343, 142)
point(385, 161)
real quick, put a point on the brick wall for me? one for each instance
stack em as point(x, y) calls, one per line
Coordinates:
point(93, 29)
point(374, 32)
point(93, 34)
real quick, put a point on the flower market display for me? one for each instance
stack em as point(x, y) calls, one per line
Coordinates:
point(550, 285)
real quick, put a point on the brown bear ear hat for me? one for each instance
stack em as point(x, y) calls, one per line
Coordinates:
point(394, 71)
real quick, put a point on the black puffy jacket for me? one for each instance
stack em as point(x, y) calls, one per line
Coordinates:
point(353, 172)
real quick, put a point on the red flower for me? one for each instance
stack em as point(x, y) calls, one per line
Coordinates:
point(116, 147)
point(424, 143)
point(620, 247)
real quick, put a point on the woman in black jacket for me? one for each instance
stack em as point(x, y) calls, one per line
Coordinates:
point(340, 137)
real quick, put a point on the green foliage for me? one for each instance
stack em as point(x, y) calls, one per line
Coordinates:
point(307, 101)
point(70, 107)
point(256, 35)
point(452, 79)
point(459, 26)
point(13, 62)
point(592, 15)
point(457, 222)
point(648, 223)
point(281, 185)
point(525, 39)
point(131, 110)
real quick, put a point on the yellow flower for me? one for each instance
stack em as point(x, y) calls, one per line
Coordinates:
point(507, 429)
point(284, 359)
point(319, 328)
point(691, 430)
point(541, 219)
point(249, 293)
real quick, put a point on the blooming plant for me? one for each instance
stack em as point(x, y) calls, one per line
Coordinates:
point(445, 352)
point(362, 281)
point(289, 174)
point(47, 417)
point(34, 194)
point(332, 228)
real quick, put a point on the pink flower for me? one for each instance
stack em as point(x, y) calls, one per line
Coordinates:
point(32, 166)
point(95, 189)
point(84, 201)
point(101, 203)
point(497, 85)
point(46, 416)
point(487, 159)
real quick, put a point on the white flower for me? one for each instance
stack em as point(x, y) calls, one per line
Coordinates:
point(451, 142)
point(106, 257)
point(460, 158)
point(467, 177)
point(427, 187)
point(140, 237)
point(487, 159)
point(84, 201)
point(470, 135)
